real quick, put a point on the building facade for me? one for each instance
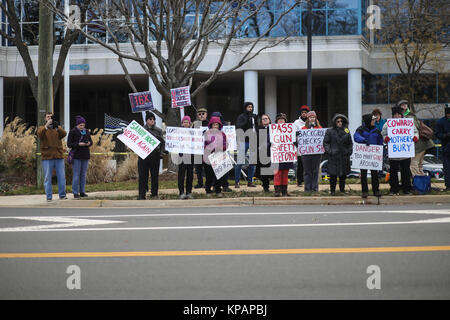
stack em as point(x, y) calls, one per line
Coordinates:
point(351, 73)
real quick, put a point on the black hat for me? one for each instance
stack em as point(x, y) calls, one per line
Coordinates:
point(447, 109)
point(396, 110)
point(149, 115)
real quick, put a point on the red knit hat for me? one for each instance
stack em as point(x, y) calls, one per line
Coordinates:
point(305, 107)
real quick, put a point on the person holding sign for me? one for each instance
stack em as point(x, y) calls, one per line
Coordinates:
point(399, 163)
point(226, 185)
point(311, 162)
point(264, 152)
point(299, 123)
point(368, 134)
point(186, 167)
point(281, 175)
point(152, 161)
point(215, 141)
point(339, 147)
point(202, 121)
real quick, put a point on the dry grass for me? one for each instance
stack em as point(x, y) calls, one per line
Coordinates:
point(100, 169)
point(127, 169)
point(18, 151)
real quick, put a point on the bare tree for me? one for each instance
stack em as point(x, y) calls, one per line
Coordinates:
point(417, 33)
point(30, 34)
point(170, 38)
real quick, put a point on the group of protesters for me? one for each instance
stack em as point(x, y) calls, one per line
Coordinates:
point(337, 145)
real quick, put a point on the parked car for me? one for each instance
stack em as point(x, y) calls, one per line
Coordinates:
point(354, 173)
point(433, 166)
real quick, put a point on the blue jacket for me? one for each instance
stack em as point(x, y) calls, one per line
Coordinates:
point(443, 133)
point(379, 124)
point(368, 136)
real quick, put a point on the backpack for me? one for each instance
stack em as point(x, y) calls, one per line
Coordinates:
point(422, 184)
point(425, 132)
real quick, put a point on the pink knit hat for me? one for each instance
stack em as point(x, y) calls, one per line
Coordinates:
point(311, 113)
point(186, 118)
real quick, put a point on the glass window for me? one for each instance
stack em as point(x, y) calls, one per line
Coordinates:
point(318, 22)
point(341, 22)
point(30, 12)
point(426, 91)
point(444, 88)
point(289, 25)
point(340, 4)
point(375, 89)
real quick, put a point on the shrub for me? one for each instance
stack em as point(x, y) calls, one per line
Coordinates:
point(128, 169)
point(18, 151)
point(100, 168)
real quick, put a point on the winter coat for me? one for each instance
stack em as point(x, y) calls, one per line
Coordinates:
point(379, 124)
point(366, 134)
point(245, 121)
point(443, 134)
point(215, 139)
point(158, 134)
point(51, 144)
point(420, 145)
point(263, 139)
point(338, 146)
point(73, 140)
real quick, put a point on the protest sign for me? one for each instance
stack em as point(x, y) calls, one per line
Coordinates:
point(282, 138)
point(138, 139)
point(230, 132)
point(184, 140)
point(401, 133)
point(181, 97)
point(141, 101)
point(310, 141)
point(221, 163)
point(369, 157)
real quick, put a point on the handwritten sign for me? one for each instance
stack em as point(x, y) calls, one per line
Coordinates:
point(141, 101)
point(310, 141)
point(184, 140)
point(181, 97)
point(230, 132)
point(401, 132)
point(282, 138)
point(221, 163)
point(367, 157)
point(138, 139)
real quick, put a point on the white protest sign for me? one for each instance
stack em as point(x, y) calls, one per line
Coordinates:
point(230, 132)
point(221, 163)
point(181, 97)
point(282, 138)
point(184, 140)
point(310, 141)
point(401, 132)
point(369, 157)
point(138, 139)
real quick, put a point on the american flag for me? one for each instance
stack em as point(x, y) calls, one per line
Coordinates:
point(114, 125)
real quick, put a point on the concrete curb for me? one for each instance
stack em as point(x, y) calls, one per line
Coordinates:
point(233, 202)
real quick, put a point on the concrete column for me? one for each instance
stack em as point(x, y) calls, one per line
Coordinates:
point(157, 100)
point(251, 88)
point(354, 99)
point(270, 96)
point(2, 106)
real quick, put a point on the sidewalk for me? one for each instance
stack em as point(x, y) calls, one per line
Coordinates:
point(258, 199)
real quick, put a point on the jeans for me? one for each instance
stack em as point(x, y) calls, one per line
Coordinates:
point(48, 166)
point(311, 164)
point(80, 167)
point(237, 169)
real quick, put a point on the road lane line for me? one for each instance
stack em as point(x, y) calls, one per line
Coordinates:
point(221, 252)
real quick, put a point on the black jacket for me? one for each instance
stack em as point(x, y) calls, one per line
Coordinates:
point(338, 145)
point(73, 140)
point(158, 134)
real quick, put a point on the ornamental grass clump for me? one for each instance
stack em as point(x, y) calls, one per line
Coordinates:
point(101, 165)
point(128, 169)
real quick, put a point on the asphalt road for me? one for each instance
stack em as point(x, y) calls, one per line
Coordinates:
point(283, 252)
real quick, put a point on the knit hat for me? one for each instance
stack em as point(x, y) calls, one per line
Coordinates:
point(305, 108)
point(281, 116)
point(396, 110)
point(402, 102)
point(310, 113)
point(149, 115)
point(215, 120)
point(186, 118)
point(79, 119)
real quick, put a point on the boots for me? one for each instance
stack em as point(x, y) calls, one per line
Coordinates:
point(284, 191)
point(277, 191)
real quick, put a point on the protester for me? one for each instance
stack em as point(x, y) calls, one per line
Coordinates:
point(299, 123)
point(396, 164)
point(262, 169)
point(186, 167)
point(52, 153)
point(368, 134)
point(226, 184)
point(79, 140)
point(215, 141)
point(152, 161)
point(420, 146)
point(281, 175)
point(443, 134)
point(202, 121)
point(246, 121)
point(338, 146)
point(379, 121)
point(311, 162)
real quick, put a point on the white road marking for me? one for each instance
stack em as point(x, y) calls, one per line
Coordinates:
point(427, 221)
point(59, 222)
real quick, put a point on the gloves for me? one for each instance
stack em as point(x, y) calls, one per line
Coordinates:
point(415, 139)
point(386, 139)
